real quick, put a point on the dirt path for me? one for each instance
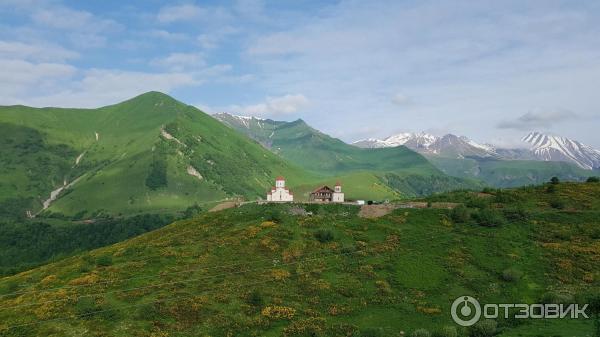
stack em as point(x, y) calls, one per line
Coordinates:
point(376, 211)
point(224, 205)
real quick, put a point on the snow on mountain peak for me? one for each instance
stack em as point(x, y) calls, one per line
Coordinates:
point(555, 148)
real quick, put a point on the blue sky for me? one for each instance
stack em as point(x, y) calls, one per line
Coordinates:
point(491, 70)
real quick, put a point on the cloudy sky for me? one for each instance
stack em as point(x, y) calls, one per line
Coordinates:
point(491, 70)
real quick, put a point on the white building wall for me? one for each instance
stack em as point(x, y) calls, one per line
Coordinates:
point(280, 193)
point(337, 197)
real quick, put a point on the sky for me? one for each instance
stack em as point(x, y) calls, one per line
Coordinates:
point(489, 70)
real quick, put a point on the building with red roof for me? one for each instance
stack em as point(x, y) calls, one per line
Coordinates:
point(280, 193)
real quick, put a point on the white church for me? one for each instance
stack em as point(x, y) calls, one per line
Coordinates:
point(280, 193)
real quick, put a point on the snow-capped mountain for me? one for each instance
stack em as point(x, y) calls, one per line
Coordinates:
point(421, 139)
point(245, 121)
point(449, 145)
point(536, 146)
point(555, 148)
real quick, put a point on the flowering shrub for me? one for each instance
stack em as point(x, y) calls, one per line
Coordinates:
point(48, 279)
point(383, 287)
point(268, 224)
point(86, 279)
point(269, 244)
point(278, 312)
point(313, 326)
point(280, 274)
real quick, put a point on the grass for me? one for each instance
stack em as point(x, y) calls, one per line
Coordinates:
point(356, 186)
point(259, 270)
point(509, 173)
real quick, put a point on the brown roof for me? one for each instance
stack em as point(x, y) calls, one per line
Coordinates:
point(323, 188)
point(279, 178)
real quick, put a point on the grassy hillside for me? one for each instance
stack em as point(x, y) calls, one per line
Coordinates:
point(385, 173)
point(269, 270)
point(360, 185)
point(315, 151)
point(509, 173)
point(135, 156)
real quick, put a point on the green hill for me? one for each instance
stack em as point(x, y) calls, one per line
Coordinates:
point(315, 151)
point(148, 153)
point(155, 154)
point(274, 270)
point(399, 169)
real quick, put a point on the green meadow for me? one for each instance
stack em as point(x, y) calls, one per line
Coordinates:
point(320, 270)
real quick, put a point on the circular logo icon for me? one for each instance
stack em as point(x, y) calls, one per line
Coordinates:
point(466, 311)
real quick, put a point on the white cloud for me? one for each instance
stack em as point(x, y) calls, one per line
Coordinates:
point(207, 41)
point(19, 77)
point(35, 52)
point(167, 35)
point(469, 62)
point(212, 39)
point(252, 9)
point(273, 106)
point(185, 12)
point(180, 61)
point(60, 17)
point(538, 119)
point(104, 86)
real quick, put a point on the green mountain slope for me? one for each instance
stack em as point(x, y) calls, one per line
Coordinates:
point(148, 153)
point(399, 169)
point(315, 151)
point(269, 270)
point(509, 173)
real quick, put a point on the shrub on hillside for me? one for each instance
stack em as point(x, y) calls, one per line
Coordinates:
point(478, 202)
point(255, 299)
point(557, 203)
point(273, 215)
point(554, 180)
point(86, 307)
point(489, 218)
point(593, 180)
point(104, 261)
point(485, 328)
point(420, 333)
point(324, 235)
point(511, 275)
point(191, 211)
point(516, 214)
point(460, 214)
point(505, 197)
point(488, 190)
point(553, 297)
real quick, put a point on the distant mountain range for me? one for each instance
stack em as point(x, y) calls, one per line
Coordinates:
point(457, 156)
point(400, 168)
point(153, 153)
point(536, 146)
point(425, 143)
